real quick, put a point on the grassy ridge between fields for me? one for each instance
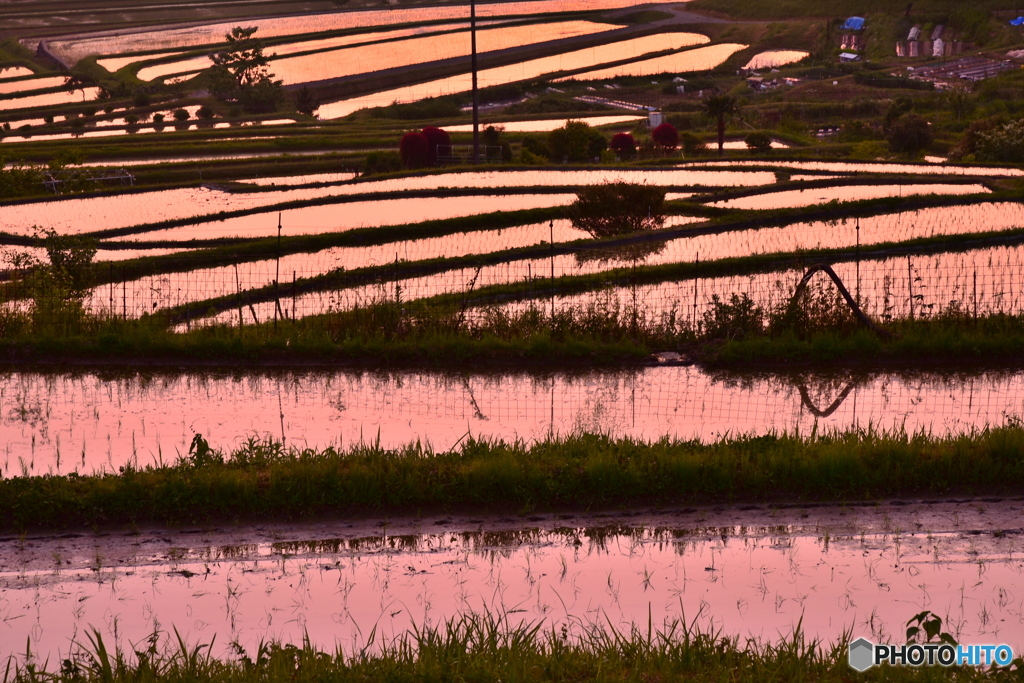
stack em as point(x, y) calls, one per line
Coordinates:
point(262, 480)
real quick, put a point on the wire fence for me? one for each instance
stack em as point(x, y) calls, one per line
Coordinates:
point(560, 276)
point(88, 422)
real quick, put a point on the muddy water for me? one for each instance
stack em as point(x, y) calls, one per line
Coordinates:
point(699, 59)
point(794, 198)
point(112, 43)
point(750, 573)
point(578, 59)
point(87, 422)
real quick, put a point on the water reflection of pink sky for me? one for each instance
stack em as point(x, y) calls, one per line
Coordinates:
point(88, 422)
point(755, 573)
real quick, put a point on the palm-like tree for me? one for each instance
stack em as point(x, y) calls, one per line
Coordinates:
point(720, 106)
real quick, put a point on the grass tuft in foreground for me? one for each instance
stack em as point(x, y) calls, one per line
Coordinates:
point(486, 648)
point(263, 480)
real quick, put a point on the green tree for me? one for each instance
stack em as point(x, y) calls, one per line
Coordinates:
point(575, 141)
point(960, 103)
point(240, 72)
point(618, 208)
point(719, 107)
point(759, 142)
point(58, 288)
point(1003, 143)
point(243, 57)
point(306, 102)
point(909, 134)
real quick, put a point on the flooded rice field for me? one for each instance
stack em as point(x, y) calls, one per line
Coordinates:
point(15, 72)
point(568, 61)
point(75, 48)
point(937, 288)
point(91, 214)
point(315, 220)
point(86, 421)
point(698, 59)
point(973, 283)
point(790, 199)
point(380, 56)
point(46, 99)
point(754, 573)
point(775, 58)
point(148, 73)
point(176, 289)
point(875, 167)
point(9, 87)
point(545, 125)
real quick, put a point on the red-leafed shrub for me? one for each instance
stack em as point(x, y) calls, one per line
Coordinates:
point(435, 137)
point(666, 136)
point(623, 144)
point(414, 149)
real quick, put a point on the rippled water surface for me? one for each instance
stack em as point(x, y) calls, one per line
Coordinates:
point(754, 573)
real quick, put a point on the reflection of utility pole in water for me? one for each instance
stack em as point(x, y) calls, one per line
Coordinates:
point(858, 260)
point(280, 411)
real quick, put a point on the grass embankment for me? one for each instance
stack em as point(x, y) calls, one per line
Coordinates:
point(488, 649)
point(263, 481)
point(949, 341)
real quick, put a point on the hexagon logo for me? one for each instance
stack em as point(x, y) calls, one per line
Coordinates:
point(862, 654)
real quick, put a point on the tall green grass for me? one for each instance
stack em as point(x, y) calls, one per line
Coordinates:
point(485, 648)
point(263, 480)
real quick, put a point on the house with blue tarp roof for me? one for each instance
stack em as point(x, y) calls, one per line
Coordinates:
point(854, 24)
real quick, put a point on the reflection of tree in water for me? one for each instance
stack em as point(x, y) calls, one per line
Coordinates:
point(625, 253)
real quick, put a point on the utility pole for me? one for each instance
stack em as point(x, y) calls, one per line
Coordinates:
point(476, 95)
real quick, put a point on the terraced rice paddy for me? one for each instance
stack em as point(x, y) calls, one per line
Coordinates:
point(74, 49)
point(775, 58)
point(10, 87)
point(46, 99)
point(88, 215)
point(699, 59)
point(794, 198)
point(569, 61)
point(546, 125)
point(380, 56)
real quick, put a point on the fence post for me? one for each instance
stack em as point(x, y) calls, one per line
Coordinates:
point(910, 286)
point(975, 295)
point(551, 244)
point(124, 294)
point(277, 274)
point(293, 295)
point(696, 280)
